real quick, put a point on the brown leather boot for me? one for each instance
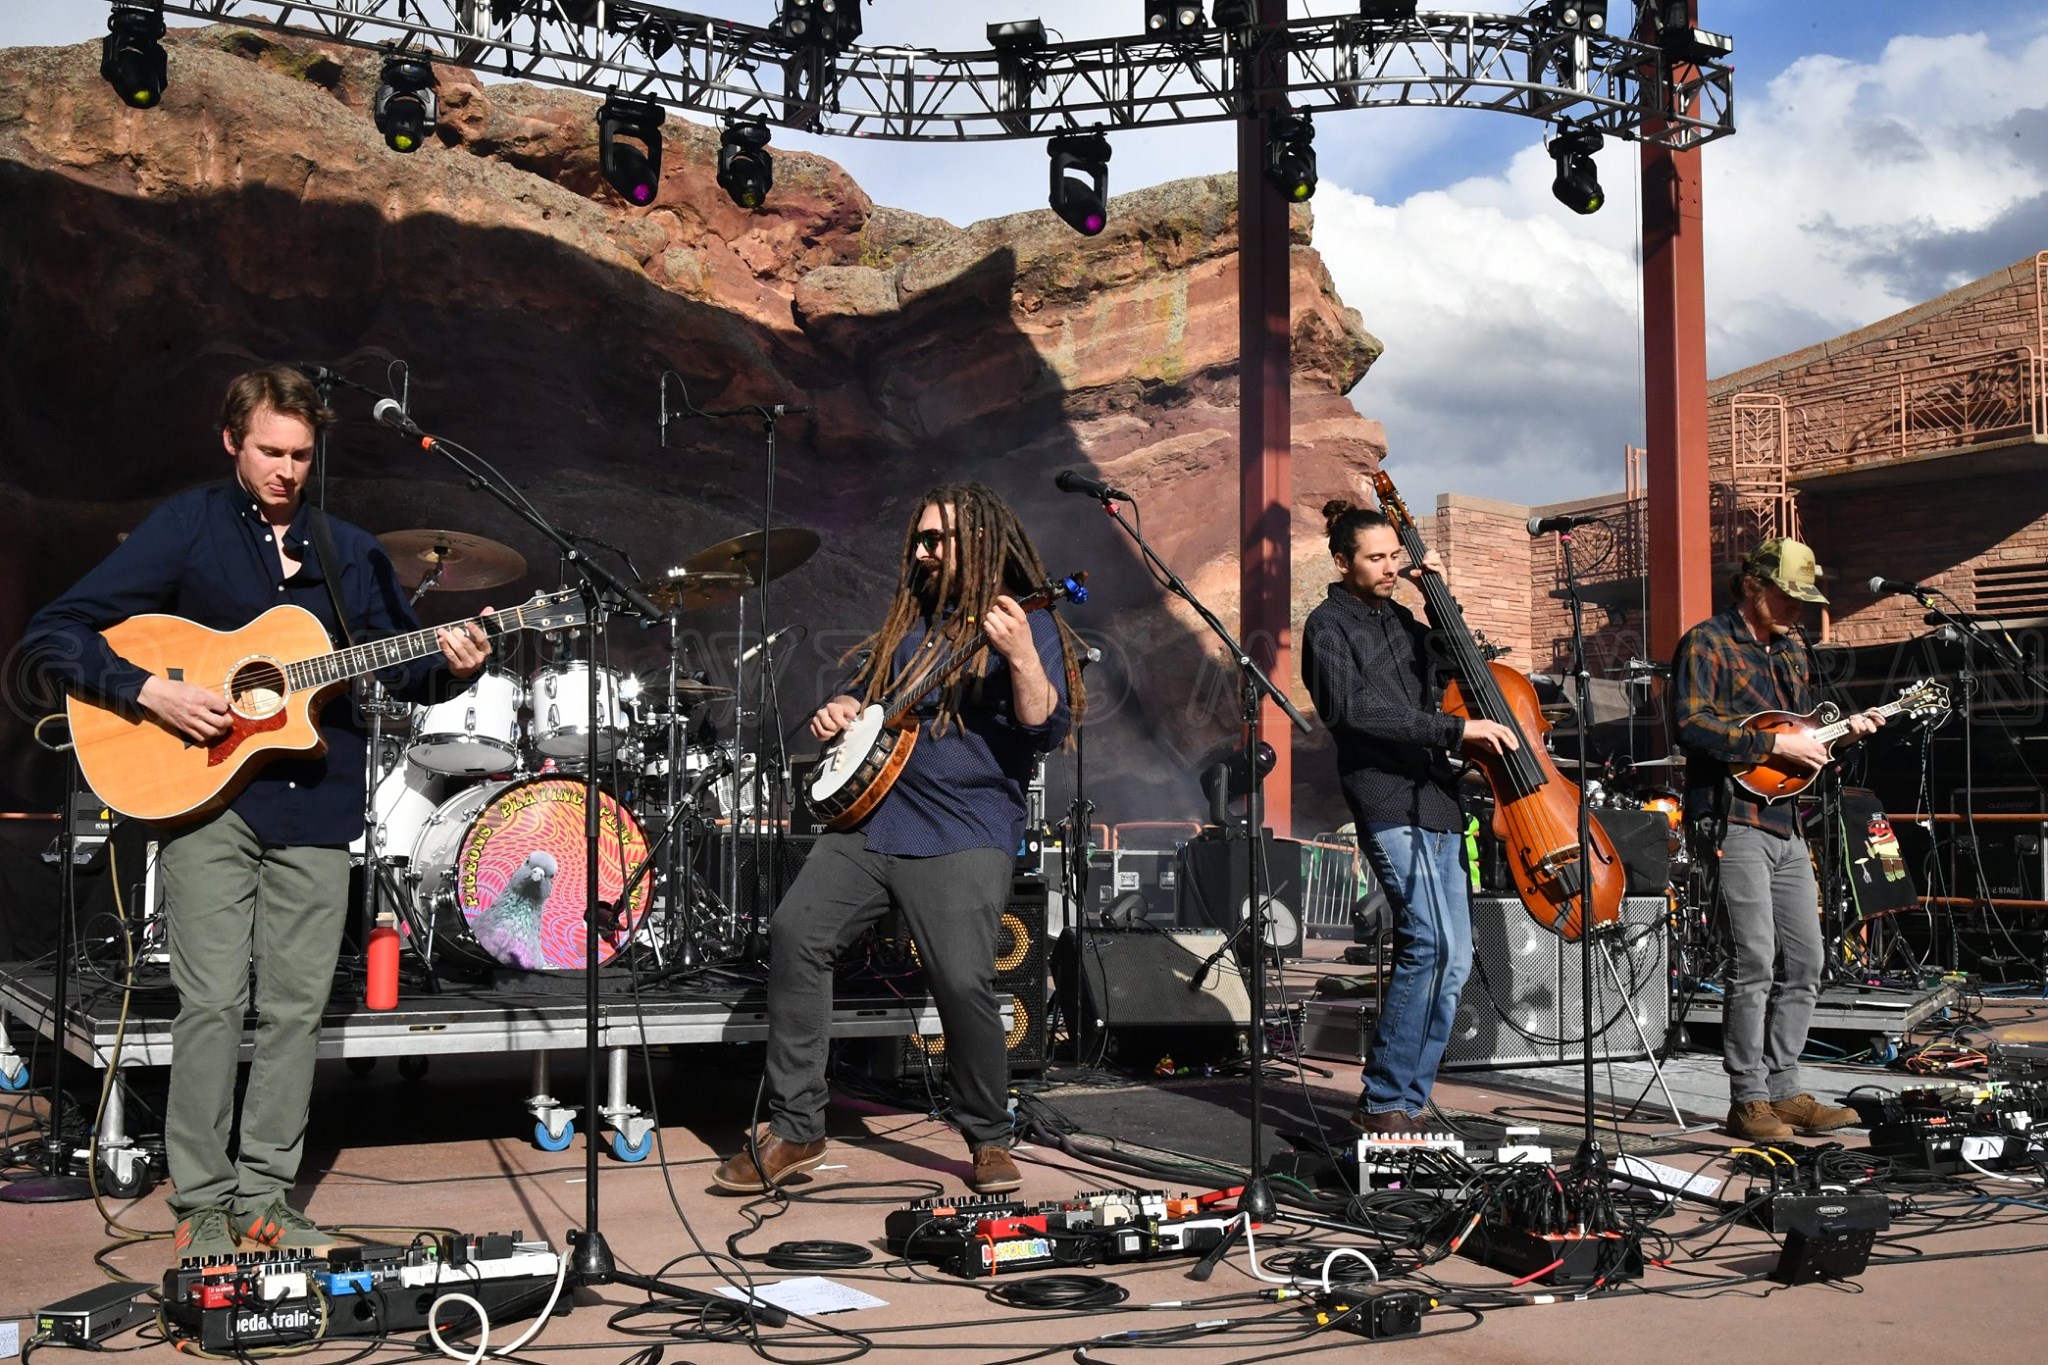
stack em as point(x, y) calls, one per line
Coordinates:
point(1809, 1115)
point(1386, 1121)
point(994, 1171)
point(779, 1161)
point(1756, 1121)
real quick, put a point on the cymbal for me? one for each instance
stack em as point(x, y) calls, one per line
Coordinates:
point(465, 561)
point(1668, 761)
point(688, 691)
point(681, 589)
point(760, 560)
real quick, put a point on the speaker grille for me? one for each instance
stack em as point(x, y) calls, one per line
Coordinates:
point(1522, 1006)
point(1021, 974)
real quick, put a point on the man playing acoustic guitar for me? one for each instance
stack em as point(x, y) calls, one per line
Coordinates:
point(266, 878)
point(1730, 666)
point(941, 844)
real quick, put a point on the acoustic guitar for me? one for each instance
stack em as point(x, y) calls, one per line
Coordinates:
point(275, 673)
point(1774, 778)
point(860, 763)
point(1535, 807)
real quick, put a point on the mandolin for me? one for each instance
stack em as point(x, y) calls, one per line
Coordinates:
point(860, 763)
point(275, 673)
point(1535, 807)
point(1773, 779)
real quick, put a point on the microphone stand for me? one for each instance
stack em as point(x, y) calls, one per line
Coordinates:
point(1254, 687)
point(1590, 1157)
point(591, 1259)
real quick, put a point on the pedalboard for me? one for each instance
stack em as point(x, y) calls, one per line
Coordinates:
point(1951, 1129)
point(978, 1237)
point(233, 1306)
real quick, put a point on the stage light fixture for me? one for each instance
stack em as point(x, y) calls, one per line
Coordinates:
point(132, 57)
point(1173, 18)
point(823, 23)
point(1236, 14)
point(405, 106)
point(1018, 35)
point(745, 170)
point(1583, 16)
point(1387, 11)
point(634, 171)
point(1080, 180)
point(1291, 156)
point(1577, 182)
point(655, 36)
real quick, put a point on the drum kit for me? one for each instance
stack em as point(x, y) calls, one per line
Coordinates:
point(476, 828)
point(1616, 782)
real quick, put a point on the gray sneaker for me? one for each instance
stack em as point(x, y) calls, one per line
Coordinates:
point(205, 1235)
point(277, 1226)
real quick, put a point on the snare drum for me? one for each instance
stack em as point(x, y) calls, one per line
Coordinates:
point(475, 732)
point(500, 873)
point(561, 711)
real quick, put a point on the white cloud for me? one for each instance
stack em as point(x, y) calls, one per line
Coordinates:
point(1852, 190)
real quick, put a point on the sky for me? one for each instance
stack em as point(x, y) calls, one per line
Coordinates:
point(1886, 150)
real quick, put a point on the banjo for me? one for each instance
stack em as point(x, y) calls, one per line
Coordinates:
point(861, 762)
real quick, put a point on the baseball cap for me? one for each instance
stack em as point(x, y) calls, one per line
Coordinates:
point(1789, 564)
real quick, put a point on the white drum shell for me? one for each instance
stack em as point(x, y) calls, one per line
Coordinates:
point(561, 711)
point(474, 733)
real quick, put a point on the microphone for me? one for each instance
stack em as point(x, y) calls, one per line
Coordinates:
point(1067, 481)
point(768, 643)
point(319, 374)
point(391, 414)
point(1543, 526)
point(1885, 587)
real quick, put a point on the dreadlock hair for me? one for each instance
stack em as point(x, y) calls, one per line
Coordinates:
point(991, 556)
point(1345, 520)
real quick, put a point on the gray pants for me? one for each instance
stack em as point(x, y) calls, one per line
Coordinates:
point(231, 901)
point(1774, 921)
point(953, 905)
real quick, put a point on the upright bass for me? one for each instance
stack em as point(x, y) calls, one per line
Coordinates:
point(1535, 807)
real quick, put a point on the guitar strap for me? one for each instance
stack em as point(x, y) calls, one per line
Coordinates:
point(323, 549)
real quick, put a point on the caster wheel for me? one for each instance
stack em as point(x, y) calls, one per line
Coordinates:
point(412, 1068)
point(553, 1142)
point(627, 1152)
point(17, 1082)
point(360, 1066)
point(135, 1186)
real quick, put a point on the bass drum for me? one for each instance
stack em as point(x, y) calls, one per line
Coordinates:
point(501, 875)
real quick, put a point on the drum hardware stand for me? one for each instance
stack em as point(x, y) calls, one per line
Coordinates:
point(591, 1260)
point(1246, 871)
point(770, 816)
point(682, 809)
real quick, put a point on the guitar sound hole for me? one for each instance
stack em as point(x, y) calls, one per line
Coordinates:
point(257, 689)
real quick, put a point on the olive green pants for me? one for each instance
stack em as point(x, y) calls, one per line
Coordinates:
point(232, 901)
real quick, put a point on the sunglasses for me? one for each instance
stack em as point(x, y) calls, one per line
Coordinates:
point(929, 541)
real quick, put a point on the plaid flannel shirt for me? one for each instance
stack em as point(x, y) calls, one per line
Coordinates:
point(1720, 674)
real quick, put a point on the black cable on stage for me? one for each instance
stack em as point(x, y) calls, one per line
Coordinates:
point(1059, 1293)
point(816, 1255)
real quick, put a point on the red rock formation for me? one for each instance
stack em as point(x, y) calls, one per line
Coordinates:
point(148, 256)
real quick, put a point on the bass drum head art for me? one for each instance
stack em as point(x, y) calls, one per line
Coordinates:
point(509, 857)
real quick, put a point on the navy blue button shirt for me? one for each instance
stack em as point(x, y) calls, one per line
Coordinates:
point(208, 555)
point(965, 788)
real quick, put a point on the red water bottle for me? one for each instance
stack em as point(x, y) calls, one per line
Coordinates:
point(382, 989)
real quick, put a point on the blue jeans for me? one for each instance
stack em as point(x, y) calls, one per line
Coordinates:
point(1423, 873)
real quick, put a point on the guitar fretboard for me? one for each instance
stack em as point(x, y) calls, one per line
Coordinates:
point(343, 664)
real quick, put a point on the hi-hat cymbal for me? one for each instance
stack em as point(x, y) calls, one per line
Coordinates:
point(465, 561)
point(759, 559)
point(681, 589)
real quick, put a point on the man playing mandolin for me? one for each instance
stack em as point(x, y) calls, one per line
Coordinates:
point(266, 878)
point(1368, 668)
point(940, 846)
point(1734, 665)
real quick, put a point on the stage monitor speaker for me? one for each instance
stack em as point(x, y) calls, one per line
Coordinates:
point(1210, 898)
point(2009, 860)
point(1521, 1006)
point(1021, 974)
point(1132, 996)
point(762, 882)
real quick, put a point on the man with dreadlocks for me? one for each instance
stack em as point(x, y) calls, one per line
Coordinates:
point(940, 847)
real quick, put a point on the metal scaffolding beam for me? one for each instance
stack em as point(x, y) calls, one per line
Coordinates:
point(1510, 63)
